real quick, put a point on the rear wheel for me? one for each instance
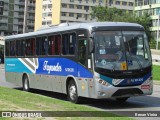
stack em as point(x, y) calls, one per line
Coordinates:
point(26, 83)
point(72, 93)
point(124, 99)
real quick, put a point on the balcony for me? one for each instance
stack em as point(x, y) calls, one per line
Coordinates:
point(77, 2)
point(3, 28)
point(31, 11)
point(4, 21)
point(31, 4)
point(19, 3)
point(30, 24)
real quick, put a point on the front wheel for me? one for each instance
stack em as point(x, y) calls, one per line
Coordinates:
point(26, 83)
point(72, 93)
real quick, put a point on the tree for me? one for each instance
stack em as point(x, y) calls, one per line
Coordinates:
point(116, 15)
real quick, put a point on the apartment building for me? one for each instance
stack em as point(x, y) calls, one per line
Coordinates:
point(12, 16)
point(153, 8)
point(49, 12)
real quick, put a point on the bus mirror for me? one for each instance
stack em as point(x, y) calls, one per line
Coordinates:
point(91, 45)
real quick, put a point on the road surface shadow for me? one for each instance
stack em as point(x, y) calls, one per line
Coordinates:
point(106, 104)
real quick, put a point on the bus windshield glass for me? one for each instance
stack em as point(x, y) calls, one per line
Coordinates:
point(121, 50)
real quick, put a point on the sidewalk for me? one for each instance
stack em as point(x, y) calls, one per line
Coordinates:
point(156, 82)
point(1, 66)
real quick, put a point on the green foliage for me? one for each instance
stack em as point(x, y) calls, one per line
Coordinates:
point(156, 70)
point(117, 15)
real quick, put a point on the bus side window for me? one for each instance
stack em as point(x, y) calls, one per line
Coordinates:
point(54, 43)
point(68, 44)
point(13, 48)
point(57, 44)
point(41, 46)
point(18, 48)
point(7, 48)
point(51, 45)
point(23, 47)
point(30, 47)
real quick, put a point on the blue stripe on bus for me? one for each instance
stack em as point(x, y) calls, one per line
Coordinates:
point(50, 66)
point(126, 82)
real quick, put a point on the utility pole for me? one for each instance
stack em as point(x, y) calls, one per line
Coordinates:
point(25, 16)
point(158, 30)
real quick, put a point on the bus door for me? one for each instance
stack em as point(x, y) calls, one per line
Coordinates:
point(82, 67)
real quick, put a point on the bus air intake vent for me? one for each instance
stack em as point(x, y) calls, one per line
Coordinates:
point(131, 91)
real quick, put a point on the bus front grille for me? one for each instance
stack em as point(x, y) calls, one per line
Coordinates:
point(131, 91)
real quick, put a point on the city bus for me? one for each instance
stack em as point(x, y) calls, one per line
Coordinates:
point(96, 60)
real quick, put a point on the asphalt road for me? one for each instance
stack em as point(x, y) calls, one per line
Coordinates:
point(142, 103)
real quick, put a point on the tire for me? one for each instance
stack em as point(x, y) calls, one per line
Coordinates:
point(26, 84)
point(72, 93)
point(124, 99)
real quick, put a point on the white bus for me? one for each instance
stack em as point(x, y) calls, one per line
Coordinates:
point(96, 60)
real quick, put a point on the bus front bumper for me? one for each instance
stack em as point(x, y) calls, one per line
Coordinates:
point(118, 92)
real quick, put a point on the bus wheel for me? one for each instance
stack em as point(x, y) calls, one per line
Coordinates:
point(72, 93)
point(25, 83)
point(124, 99)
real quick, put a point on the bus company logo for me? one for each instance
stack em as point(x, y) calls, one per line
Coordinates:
point(51, 68)
point(117, 81)
point(31, 63)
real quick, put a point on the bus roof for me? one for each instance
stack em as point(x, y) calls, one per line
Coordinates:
point(70, 26)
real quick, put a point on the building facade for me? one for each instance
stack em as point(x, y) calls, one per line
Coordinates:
point(151, 7)
point(50, 12)
point(12, 16)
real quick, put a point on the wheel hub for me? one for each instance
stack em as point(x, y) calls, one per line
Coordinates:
point(72, 92)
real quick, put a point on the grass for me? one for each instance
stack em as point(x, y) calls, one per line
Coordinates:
point(156, 72)
point(16, 100)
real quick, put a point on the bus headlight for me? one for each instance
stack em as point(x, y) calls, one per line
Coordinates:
point(102, 82)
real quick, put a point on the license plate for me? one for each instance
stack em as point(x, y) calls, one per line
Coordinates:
point(145, 87)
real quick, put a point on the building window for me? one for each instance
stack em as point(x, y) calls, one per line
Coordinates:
point(64, 5)
point(87, 1)
point(86, 8)
point(49, 22)
point(63, 14)
point(79, 15)
point(50, 6)
point(71, 6)
point(117, 2)
point(80, 1)
point(71, 0)
point(130, 4)
point(44, 23)
point(146, 2)
point(124, 3)
point(110, 2)
point(50, 14)
point(79, 6)
point(71, 14)
point(44, 6)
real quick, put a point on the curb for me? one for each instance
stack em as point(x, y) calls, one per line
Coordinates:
point(156, 82)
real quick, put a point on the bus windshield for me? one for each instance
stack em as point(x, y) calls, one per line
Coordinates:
point(121, 50)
